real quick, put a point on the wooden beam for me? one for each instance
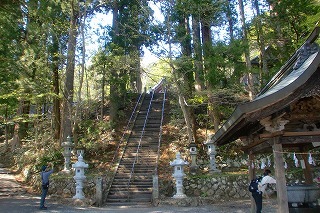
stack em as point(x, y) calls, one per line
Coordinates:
point(289, 134)
point(307, 133)
point(282, 195)
point(300, 139)
point(258, 148)
point(271, 135)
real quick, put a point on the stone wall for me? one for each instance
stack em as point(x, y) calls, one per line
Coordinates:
point(217, 187)
point(63, 187)
point(199, 189)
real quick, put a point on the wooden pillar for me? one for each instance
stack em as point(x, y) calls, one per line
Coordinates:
point(307, 171)
point(250, 177)
point(282, 196)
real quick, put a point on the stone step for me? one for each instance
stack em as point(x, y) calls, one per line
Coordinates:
point(122, 191)
point(134, 176)
point(125, 194)
point(128, 201)
point(123, 183)
point(123, 167)
point(140, 189)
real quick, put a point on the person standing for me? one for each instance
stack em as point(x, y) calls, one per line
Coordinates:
point(262, 185)
point(45, 174)
point(267, 179)
point(257, 194)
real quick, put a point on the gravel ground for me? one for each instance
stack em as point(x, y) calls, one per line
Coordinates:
point(28, 204)
point(15, 199)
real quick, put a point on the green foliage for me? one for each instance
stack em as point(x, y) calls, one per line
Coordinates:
point(292, 15)
point(155, 72)
point(53, 156)
point(90, 130)
point(225, 64)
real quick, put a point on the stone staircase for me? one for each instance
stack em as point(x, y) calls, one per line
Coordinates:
point(8, 185)
point(132, 183)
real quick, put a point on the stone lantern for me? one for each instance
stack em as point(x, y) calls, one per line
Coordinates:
point(79, 177)
point(193, 153)
point(212, 154)
point(68, 145)
point(178, 174)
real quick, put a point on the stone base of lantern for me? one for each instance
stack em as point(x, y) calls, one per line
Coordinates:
point(214, 171)
point(177, 196)
point(194, 169)
point(65, 171)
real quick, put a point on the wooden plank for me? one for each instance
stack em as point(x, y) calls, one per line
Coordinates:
point(289, 134)
point(271, 135)
point(257, 148)
point(300, 139)
point(307, 133)
point(282, 195)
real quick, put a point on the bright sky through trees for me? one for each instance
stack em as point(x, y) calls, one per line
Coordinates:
point(100, 21)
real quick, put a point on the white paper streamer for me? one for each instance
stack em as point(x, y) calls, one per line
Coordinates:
point(269, 162)
point(263, 165)
point(296, 161)
point(310, 160)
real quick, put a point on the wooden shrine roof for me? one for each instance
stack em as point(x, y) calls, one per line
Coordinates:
point(292, 94)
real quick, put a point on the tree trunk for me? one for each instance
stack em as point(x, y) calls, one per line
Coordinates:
point(199, 76)
point(103, 84)
point(261, 42)
point(114, 94)
point(138, 85)
point(246, 51)
point(55, 82)
point(6, 129)
point(213, 107)
point(83, 63)
point(16, 142)
point(69, 81)
point(230, 19)
point(186, 91)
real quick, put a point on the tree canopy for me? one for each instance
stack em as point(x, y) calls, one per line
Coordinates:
point(205, 49)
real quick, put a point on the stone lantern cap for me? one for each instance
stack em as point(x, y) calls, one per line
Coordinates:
point(178, 161)
point(80, 163)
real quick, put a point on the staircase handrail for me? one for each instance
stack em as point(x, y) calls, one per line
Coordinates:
point(129, 126)
point(139, 145)
point(160, 133)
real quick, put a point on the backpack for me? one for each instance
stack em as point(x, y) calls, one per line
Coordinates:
point(253, 186)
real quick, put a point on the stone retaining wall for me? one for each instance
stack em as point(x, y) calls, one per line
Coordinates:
point(217, 187)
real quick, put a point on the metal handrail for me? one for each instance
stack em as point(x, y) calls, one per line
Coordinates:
point(139, 145)
point(129, 126)
point(160, 133)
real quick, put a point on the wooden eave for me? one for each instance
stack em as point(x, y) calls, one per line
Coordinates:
point(287, 89)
